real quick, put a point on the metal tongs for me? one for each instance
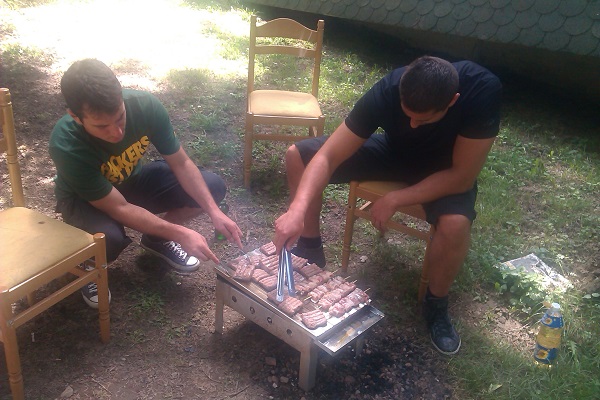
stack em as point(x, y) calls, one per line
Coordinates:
point(284, 271)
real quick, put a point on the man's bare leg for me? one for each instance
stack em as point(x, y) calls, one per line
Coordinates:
point(447, 252)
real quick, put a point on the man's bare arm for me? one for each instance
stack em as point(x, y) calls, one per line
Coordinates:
point(341, 145)
point(193, 183)
point(468, 158)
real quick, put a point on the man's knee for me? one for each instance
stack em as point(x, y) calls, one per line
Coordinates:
point(453, 227)
point(216, 185)
point(116, 242)
point(293, 160)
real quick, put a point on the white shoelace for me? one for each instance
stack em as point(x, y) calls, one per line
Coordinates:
point(176, 249)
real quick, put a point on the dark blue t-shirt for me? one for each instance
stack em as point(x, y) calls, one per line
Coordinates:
point(476, 115)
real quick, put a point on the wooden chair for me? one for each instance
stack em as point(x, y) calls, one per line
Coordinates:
point(279, 107)
point(36, 250)
point(369, 191)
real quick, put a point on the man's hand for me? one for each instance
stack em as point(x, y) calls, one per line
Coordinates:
point(228, 228)
point(196, 245)
point(381, 212)
point(288, 229)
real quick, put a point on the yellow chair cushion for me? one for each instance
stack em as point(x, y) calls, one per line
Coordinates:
point(284, 104)
point(32, 242)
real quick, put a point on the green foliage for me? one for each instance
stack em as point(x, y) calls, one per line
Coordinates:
point(189, 82)
point(524, 290)
point(208, 149)
point(17, 57)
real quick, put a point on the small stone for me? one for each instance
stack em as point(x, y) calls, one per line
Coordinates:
point(363, 259)
point(284, 379)
point(68, 392)
point(271, 361)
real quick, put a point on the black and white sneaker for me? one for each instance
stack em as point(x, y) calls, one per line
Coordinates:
point(172, 253)
point(90, 291)
point(90, 294)
point(443, 335)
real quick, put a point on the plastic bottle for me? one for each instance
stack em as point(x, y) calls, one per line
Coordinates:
point(225, 208)
point(549, 336)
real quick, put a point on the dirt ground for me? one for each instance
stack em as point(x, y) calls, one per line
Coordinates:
point(163, 344)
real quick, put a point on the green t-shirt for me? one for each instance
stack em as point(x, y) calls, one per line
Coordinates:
point(88, 167)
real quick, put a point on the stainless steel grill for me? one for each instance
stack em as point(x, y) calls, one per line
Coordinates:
point(250, 300)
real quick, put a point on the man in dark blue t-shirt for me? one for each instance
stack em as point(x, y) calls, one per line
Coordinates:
point(439, 121)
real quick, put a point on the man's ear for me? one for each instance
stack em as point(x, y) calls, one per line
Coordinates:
point(75, 117)
point(456, 96)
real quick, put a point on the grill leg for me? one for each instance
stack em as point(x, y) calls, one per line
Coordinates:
point(308, 367)
point(219, 304)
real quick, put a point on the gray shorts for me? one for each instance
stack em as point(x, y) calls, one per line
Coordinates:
point(155, 188)
point(375, 160)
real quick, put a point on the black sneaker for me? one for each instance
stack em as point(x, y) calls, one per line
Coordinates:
point(90, 291)
point(443, 335)
point(314, 255)
point(172, 253)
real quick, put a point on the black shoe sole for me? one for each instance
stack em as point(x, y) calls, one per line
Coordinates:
point(448, 353)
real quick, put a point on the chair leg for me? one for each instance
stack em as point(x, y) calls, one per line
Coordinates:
point(321, 126)
point(349, 228)
point(11, 351)
point(102, 282)
point(424, 281)
point(248, 152)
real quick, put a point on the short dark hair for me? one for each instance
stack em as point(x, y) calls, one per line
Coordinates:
point(90, 85)
point(428, 84)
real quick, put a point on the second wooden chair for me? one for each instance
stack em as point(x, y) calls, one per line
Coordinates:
point(280, 105)
point(370, 191)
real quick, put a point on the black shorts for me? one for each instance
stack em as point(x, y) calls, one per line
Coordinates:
point(155, 188)
point(376, 161)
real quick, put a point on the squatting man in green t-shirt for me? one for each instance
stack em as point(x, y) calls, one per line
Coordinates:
point(101, 185)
